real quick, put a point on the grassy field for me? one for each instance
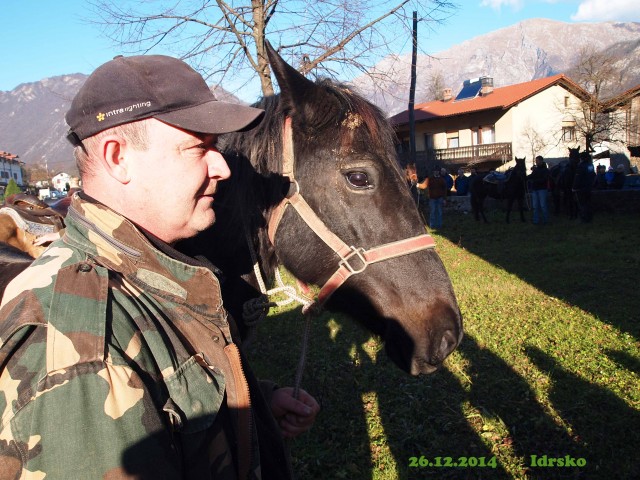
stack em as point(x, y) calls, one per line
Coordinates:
point(549, 366)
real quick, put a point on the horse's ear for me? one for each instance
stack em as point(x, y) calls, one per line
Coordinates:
point(298, 94)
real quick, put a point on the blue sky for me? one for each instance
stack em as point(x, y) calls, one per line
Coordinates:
point(43, 38)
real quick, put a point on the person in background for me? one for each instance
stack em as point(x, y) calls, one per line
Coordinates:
point(118, 357)
point(618, 177)
point(601, 181)
point(538, 181)
point(583, 182)
point(473, 176)
point(436, 191)
point(461, 183)
point(609, 176)
point(448, 179)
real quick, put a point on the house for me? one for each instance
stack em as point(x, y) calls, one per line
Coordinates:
point(486, 127)
point(625, 135)
point(60, 181)
point(10, 168)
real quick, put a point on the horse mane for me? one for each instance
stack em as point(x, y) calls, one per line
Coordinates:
point(255, 157)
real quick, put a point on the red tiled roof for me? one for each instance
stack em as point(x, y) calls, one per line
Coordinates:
point(501, 98)
point(7, 155)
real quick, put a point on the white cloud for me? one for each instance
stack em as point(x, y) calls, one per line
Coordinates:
point(606, 10)
point(498, 4)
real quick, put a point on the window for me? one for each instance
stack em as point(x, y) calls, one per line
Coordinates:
point(483, 135)
point(568, 133)
point(452, 140)
point(566, 102)
point(5, 174)
point(428, 141)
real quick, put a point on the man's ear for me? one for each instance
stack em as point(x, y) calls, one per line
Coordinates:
point(114, 157)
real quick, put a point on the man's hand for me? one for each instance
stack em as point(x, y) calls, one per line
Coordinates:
point(293, 416)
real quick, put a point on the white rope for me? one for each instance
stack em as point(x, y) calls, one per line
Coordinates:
point(289, 291)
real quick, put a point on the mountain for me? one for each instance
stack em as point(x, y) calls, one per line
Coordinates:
point(32, 122)
point(32, 115)
point(525, 51)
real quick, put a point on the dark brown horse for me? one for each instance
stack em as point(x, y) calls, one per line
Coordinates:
point(329, 154)
point(561, 176)
point(511, 188)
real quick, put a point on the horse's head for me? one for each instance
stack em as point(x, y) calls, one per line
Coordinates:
point(346, 169)
point(411, 173)
point(574, 156)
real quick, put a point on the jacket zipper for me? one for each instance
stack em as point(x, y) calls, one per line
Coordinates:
point(105, 236)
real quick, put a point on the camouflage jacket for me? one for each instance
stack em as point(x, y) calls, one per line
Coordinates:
point(117, 361)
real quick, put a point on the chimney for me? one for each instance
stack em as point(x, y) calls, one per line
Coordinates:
point(447, 94)
point(486, 85)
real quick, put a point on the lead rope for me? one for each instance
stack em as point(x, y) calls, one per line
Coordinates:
point(292, 296)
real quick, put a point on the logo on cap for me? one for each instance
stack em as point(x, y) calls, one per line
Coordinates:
point(100, 116)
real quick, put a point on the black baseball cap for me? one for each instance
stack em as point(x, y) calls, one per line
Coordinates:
point(127, 89)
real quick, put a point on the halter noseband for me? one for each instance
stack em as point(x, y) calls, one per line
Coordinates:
point(353, 260)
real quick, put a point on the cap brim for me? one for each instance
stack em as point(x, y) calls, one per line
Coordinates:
point(213, 117)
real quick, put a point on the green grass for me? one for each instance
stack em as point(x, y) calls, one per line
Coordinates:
point(550, 363)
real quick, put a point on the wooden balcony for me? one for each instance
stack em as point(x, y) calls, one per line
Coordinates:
point(483, 157)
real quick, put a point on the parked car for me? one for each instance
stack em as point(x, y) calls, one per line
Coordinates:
point(57, 194)
point(631, 182)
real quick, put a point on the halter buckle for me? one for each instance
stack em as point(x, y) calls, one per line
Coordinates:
point(355, 252)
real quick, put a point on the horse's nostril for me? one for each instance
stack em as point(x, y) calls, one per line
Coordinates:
point(448, 343)
point(442, 348)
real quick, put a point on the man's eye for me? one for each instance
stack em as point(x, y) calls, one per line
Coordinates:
point(358, 180)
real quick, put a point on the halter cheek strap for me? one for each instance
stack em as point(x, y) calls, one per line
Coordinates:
point(353, 260)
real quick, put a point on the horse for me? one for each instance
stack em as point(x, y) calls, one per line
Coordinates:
point(317, 188)
point(511, 187)
point(561, 176)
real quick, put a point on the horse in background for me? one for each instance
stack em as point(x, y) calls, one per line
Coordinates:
point(561, 178)
point(510, 186)
point(418, 194)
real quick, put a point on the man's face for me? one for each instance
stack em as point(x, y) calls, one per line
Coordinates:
point(173, 182)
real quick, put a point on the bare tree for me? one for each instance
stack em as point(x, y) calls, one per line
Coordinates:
point(598, 74)
point(535, 141)
point(224, 40)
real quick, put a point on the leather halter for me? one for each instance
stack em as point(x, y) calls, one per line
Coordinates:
point(353, 260)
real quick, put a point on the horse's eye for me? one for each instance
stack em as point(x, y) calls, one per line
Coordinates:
point(358, 180)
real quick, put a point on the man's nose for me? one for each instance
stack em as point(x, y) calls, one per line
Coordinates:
point(218, 167)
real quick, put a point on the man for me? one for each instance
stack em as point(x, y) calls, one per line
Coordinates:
point(117, 358)
point(448, 179)
point(539, 182)
point(436, 191)
point(461, 183)
point(583, 182)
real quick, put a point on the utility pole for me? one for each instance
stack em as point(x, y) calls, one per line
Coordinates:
point(412, 92)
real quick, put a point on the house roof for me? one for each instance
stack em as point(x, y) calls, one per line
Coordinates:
point(623, 97)
point(501, 98)
point(8, 156)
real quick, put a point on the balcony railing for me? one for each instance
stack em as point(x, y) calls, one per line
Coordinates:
point(487, 156)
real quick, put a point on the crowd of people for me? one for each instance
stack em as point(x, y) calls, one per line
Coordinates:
point(440, 184)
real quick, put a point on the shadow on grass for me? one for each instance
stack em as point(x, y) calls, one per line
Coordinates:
point(599, 419)
point(587, 265)
point(375, 418)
